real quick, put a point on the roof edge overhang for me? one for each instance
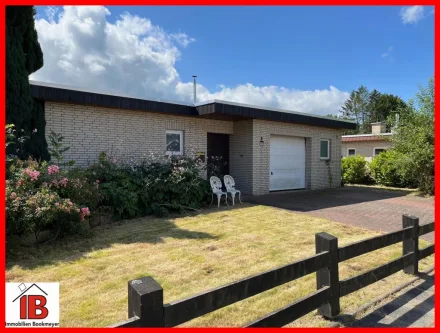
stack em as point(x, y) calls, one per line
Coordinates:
point(219, 109)
point(367, 137)
point(216, 109)
point(64, 94)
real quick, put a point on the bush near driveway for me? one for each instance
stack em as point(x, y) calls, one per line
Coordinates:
point(354, 169)
point(384, 170)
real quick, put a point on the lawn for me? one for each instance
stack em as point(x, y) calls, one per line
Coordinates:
point(191, 254)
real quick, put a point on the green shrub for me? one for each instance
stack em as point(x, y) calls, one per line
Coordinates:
point(118, 189)
point(354, 169)
point(414, 140)
point(172, 184)
point(157, 185)
point(384, 169)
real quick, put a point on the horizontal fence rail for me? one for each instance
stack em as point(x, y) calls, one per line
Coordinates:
point(145, 295)
point(426, 228)
point(293, 311)
point(372, 244)
point(196, 306)
point(426, 252)
point(360, 281)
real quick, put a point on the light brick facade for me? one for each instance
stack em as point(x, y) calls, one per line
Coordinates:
point(365, 148)
point(89, 130)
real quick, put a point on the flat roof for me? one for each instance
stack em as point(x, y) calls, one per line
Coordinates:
point(366, 137)
point(216, 109)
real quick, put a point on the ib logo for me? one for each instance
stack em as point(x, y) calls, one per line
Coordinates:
point(32, 305)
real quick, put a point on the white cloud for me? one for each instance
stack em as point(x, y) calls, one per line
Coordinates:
point(388, 54)
point(50, 12)
point(182, 39)
point(321, 102)
point(133, 56)
point(412, 15)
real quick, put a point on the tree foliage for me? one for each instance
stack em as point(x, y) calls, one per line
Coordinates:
point(365, 107)
point(414, 139)
point(24, 57)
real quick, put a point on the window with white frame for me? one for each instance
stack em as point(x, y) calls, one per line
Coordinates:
point(377, 151)
point(351, 152)
point(324, 152)
point(174, 142)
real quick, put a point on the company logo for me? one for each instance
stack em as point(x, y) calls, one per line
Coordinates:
point(32, 304)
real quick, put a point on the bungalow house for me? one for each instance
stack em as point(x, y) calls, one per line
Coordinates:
point(368, 145)
point(264, 149)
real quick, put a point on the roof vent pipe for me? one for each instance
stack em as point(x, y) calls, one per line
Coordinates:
point(195, 88)
point(396, 123)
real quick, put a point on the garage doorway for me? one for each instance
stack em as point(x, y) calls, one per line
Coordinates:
point(287, 163)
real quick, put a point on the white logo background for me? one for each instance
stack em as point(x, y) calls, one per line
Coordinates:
point(15, 289)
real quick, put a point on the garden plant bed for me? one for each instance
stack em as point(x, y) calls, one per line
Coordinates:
point(187, 255)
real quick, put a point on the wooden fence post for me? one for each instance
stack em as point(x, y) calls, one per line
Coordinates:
point(412, 244)
point(328, 276)
point(145, 300)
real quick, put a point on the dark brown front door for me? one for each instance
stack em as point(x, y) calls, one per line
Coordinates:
point(218, 154)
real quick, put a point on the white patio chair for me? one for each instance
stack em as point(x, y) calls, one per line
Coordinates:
point(216, 186)
point(230, 188)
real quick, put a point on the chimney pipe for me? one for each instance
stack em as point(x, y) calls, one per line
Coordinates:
point(396, 123)
point(195, 88)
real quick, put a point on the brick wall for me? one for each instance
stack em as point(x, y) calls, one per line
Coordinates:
point(365, 148)
point(90, 130)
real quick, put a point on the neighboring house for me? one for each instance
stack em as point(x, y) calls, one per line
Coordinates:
point(265, 149)
point(368, 145)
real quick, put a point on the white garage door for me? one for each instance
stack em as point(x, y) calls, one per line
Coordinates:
point(287, 163)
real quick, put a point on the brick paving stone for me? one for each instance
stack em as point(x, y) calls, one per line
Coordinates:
point(370, 208)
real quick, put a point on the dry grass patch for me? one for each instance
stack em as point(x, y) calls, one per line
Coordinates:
point(191, 254)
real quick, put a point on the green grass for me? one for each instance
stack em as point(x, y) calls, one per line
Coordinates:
point(192, 254)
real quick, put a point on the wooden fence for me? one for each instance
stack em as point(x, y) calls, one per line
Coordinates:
point(145, 295)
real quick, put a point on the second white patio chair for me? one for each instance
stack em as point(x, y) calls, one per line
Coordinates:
point(230, 188)
point(216, 186)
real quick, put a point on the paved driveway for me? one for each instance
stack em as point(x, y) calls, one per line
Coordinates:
point(413, 308)
point(370, 208)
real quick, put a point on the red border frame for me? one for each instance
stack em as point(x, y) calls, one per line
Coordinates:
point(206, 2)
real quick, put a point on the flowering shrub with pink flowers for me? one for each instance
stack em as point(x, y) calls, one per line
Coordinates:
point(53, 196)
point(39, 196)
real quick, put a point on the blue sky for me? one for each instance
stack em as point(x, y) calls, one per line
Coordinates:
point(303, 58)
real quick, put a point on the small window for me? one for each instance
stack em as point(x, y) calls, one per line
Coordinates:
point(174, 143)
point(325, 149)
point(351, 152)
point(377, 151)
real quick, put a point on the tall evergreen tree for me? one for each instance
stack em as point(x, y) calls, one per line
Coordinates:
point(357, 108)
point(385, 105)
point(366, 107)
point(24, 57)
